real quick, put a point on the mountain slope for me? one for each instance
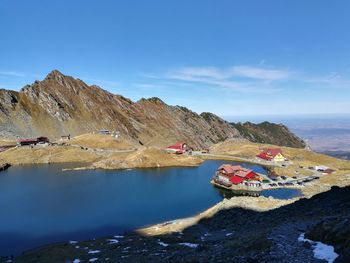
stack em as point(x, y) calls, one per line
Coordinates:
point(270, 133)
point(64, 105)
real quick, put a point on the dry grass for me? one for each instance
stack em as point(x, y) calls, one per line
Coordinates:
point(56, 154)
point(297, 156)
point(101, 142)
point(7, 142)
point(147, 158)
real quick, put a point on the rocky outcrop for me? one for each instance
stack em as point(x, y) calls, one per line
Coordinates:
point(335, 231)
point(269, 133)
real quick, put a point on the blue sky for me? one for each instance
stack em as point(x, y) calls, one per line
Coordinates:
point(228, 57)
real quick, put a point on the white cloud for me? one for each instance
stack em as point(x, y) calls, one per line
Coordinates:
point(10, 73)
point(260, 73)
point(237, 78)
point(201, 72)
point(333, 79)
point(148, 86)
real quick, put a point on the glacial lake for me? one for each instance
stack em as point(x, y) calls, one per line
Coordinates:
point(40, 204)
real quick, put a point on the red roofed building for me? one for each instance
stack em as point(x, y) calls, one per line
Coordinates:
point(235, 174)
point(272, 154)
point(23, 142)
point(228, 169)
point(40, 139)
point(179, 148)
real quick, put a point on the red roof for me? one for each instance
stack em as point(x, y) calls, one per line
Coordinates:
point(269, 153)
point(229, 169)
point(237, 171)
point(263, 156)
point(27, 140)
point(245, 173)
point(251, 175)
point(236, 179)
point(177, 146)
point(328, 171)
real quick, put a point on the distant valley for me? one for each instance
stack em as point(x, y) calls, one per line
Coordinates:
point(324, 134)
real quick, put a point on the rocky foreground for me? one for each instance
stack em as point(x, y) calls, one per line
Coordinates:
point(233, 235)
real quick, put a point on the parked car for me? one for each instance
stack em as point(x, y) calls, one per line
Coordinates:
point(283, 177)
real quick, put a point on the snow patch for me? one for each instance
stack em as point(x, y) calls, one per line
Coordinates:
point(119, 236)
point(76, 260)
point(94, 251)
point(93, 259)
point(229, 234)
point(191, 245)
point(112, 241)
point(72, 242)
point(163, 244)
point(320, 250)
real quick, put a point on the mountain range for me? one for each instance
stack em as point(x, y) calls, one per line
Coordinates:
point(60, 105)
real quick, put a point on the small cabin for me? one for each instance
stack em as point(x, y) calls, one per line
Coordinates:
point(321, 168)
point(324, 169)
point(179, 148)
point(65, 137)
point(328, 171)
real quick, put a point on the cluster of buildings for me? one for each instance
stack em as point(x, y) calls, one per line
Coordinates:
point(235, 175)
point(41, 139)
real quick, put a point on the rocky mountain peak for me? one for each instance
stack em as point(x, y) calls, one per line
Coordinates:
point(155, 100)
point(55, 74)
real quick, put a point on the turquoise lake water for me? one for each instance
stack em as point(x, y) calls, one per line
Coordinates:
point(41, 204)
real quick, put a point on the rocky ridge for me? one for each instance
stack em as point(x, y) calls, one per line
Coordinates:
point(60, 105)
point(269, 133)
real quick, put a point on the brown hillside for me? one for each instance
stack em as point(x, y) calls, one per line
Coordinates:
point(61, 105)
